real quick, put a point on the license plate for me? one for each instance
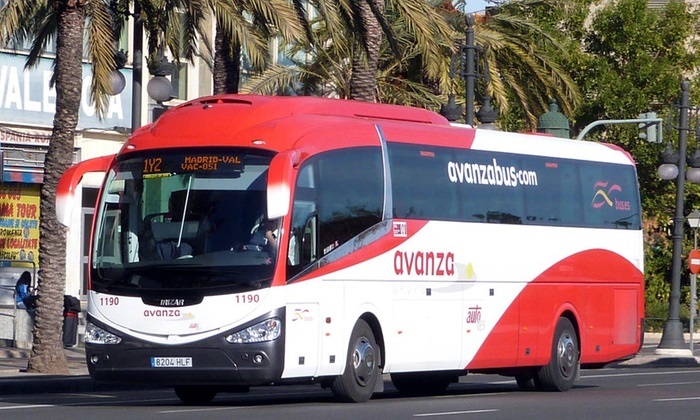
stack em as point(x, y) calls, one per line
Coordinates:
point(171, 362)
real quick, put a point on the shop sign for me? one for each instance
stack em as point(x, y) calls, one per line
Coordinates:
point(26, 96)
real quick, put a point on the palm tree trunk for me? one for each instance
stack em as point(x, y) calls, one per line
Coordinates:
point(363, 81)
point(227, 59)
point(47, 352)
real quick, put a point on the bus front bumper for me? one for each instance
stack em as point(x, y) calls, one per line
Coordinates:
point(211, 361)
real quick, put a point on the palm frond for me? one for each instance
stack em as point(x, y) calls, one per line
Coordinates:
point(17, 18)
point(230, 18)
point(273, 80)
point(100, 49)
point(44, 33)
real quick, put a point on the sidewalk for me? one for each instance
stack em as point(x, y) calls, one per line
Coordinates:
point(15, 380)
point(647, 357)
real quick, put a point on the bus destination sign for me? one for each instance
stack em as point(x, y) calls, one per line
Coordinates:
point(190, 163)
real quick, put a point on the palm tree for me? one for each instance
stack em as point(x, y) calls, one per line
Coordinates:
point(326, 69)
point(364, 66)
point(247, 25)
point(20, 20)
point(70, 22)
point(367, 21)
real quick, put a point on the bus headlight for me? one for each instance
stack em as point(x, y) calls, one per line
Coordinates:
point(266, 330)
point(96, 335)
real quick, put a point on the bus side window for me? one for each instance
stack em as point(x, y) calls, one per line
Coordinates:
point(338, 195)
point(303, 240)
point(309, 240)
point(303, 212)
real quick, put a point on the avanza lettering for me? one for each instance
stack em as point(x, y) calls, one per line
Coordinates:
point(490, 174)
point(161, 313)
point(427, 263)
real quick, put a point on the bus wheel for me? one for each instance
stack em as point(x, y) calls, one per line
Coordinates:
point(561, 371)
point(362, 370)
point(195, 395)
point(421, 383)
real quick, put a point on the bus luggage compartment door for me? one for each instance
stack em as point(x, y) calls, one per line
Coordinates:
point(301, 340)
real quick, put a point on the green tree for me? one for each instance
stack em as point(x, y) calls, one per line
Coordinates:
point(632, 61)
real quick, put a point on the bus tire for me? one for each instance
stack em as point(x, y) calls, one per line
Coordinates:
point(195, 395)
point(422, 383)
point(362, 367)
point(562, 370)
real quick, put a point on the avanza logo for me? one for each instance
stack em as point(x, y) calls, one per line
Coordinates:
point(421, 263)
point(604, 195)
point(162, 313)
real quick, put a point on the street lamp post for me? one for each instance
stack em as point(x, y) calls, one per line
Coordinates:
point(470, 70)
point(159, 87)
point(137, 72)
point(672, 342)
point(487, 114)
point(694, 222)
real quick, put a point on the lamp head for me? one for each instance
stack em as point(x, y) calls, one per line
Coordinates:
point(117, 82)
point(694, 219)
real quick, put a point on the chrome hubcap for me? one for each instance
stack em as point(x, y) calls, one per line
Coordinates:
point(566, 352)
point(363, 361)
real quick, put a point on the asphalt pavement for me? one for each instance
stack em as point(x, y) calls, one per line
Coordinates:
point(14, 378)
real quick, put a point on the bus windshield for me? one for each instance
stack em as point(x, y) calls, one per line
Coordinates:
point(185, 220)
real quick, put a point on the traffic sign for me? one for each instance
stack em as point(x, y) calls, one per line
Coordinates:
point(694, 261)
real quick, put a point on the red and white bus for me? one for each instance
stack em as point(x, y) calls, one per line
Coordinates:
point(250, 240)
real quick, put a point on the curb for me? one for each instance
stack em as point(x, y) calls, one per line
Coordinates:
point(46, 384)
point(13, 353)
point(644, 361)
point(38, 383)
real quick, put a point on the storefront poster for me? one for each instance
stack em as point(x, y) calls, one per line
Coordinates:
point(19, 222)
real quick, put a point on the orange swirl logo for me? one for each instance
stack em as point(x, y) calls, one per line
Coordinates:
point(604, 196)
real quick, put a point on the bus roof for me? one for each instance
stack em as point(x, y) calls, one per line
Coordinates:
point(279, 123)
point(223, 119)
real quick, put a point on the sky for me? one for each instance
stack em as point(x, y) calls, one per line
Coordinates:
point(475, 5)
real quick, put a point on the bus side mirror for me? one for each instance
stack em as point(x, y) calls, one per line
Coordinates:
point(65, 192)
point(279, 183)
